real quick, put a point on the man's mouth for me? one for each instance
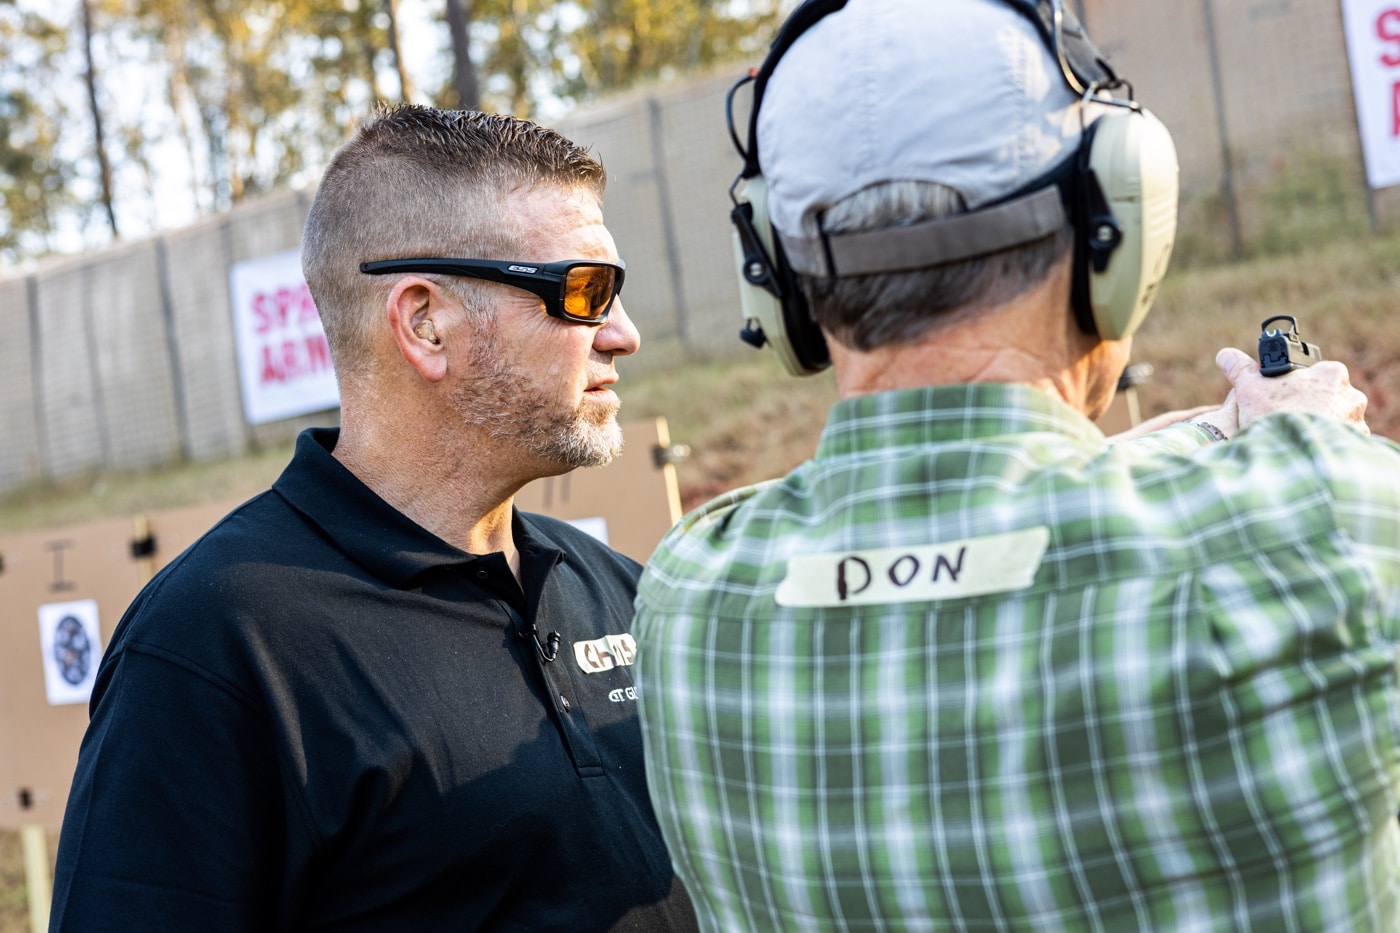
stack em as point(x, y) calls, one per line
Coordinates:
point(602, 385)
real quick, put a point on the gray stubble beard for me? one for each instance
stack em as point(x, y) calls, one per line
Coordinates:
point(496, 400)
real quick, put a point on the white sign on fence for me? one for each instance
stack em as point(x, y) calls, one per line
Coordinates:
point(284, 363)
point(72, 646)
point(1373, 45)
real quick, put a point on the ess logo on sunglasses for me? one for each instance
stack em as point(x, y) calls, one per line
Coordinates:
point(530, 269)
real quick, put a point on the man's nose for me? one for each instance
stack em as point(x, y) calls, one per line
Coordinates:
point(618, 336)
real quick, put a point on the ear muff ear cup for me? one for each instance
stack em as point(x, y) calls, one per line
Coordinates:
point(775, 310)
point(1128, 225)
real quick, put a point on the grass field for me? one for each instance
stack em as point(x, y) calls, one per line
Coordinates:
point(745, 421)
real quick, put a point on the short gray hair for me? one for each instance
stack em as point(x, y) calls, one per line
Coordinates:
point(883, 309)
point(418, 181)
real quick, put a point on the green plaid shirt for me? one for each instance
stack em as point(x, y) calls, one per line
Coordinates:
point(974, 668)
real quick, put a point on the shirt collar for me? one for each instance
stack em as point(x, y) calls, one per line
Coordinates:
point(370, 531)
point(940, 414)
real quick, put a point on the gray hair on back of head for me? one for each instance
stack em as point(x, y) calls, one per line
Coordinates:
point(886, 309)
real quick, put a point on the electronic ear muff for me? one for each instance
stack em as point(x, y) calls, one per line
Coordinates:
point(775, 310)
point(1120, 196)
point(1127, 220)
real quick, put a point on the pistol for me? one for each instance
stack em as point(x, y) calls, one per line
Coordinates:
point(1284, 351)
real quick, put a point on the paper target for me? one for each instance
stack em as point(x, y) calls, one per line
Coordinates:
point(71, 643)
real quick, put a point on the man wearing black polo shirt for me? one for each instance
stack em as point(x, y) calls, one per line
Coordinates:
point(376, 697)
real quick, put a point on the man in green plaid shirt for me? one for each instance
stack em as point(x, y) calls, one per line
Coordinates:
point(974, 666)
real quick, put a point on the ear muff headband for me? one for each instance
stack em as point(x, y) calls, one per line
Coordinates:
point(803, 18)
point(775, 310)
point(1121, 199)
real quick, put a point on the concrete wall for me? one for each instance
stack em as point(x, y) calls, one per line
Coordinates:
point(125, 358)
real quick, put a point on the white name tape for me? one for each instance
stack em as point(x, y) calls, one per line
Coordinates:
point(949, 570)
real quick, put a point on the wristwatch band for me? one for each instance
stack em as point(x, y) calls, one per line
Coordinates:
point(1215, 433)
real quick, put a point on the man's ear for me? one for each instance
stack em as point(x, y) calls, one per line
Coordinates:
point(416, 312)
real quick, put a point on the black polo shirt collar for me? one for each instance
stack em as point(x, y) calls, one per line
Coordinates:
point(377, 536)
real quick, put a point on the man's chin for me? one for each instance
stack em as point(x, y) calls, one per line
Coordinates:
point(587, 443)
point(605, 442)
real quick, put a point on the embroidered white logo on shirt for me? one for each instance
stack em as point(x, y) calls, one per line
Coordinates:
point(948, 570)
point(606, 653)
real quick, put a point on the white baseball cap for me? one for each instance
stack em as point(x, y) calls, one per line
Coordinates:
point(964, 93)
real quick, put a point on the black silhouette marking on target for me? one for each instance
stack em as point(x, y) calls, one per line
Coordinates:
point(72, 650)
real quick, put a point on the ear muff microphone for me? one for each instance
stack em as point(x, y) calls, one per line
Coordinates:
point(1121, 200)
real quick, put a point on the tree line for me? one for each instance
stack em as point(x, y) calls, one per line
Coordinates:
point(251, 95)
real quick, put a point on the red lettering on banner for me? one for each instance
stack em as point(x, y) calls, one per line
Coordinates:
point(1395, 108)
point(284, 308)
point(1388, 30)
point(290, 360)
point(260, 313)
point(280, 297)
point(270, 372)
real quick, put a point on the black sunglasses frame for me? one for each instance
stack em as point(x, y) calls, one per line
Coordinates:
point(547, 280)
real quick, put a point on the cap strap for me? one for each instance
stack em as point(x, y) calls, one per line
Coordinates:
point(931, 242)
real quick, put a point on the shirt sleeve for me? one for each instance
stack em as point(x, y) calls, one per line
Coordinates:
point(173, 812)
point(1179, 438)
point(1363, 482)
